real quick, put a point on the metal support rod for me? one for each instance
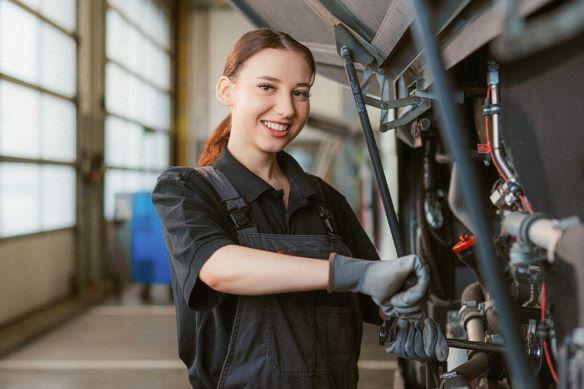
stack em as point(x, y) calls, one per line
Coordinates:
point(373, 150)
point(473, 345)
point(457, 144)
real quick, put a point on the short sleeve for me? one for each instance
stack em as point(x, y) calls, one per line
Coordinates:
point(194, 227)
point(356, 239)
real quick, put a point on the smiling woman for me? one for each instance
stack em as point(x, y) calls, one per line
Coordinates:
point(264, 281)
point(269, 103)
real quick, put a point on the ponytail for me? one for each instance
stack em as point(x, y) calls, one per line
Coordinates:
point(214, 144)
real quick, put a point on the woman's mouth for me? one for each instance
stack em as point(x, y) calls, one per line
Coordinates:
point(276, 129)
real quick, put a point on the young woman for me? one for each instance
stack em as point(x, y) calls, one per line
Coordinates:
point(267, 292)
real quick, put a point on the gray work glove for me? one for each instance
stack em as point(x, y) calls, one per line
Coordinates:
point(418, 339)
point(382, 280)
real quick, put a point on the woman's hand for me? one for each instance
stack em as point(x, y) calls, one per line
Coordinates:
point(417, 338)
point(397, 286)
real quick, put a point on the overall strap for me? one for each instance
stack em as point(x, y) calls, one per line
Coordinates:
point(235, 206)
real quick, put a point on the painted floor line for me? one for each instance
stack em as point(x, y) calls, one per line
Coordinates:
point(377, 365)
point(92, 364)
point(136, 364)
point(131, 310)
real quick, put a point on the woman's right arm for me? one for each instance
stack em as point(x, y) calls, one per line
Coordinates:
point(246, 271)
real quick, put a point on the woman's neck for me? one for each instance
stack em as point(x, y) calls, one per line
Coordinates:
point(264, 165)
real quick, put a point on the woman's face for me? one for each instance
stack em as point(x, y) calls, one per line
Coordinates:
point(269, 100)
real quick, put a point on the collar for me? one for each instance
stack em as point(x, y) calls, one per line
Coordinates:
point(250, 186)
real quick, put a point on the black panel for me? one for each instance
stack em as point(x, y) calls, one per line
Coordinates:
point(543, 124)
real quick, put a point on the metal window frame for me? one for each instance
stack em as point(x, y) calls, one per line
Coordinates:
point(72, 34)
point(170, 92)
point(134, 25)
point(38, 88)
point(136, 122)
point(74, 99)
point(135, 74)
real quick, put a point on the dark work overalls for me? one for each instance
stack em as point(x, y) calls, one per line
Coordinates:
point(289, 340)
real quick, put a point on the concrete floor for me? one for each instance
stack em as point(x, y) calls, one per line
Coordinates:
point(124, 343)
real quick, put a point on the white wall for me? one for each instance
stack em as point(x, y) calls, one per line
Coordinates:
point(225, 27)
point(34, 271)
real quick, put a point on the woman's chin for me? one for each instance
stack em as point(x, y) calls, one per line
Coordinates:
point(273, 147)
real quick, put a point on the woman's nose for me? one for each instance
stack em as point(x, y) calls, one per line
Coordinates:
point(285, 105)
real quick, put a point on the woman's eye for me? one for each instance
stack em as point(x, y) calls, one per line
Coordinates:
point(302, 94)
point(266, 87)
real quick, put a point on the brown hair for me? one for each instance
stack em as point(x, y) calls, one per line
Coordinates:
point(246, 46)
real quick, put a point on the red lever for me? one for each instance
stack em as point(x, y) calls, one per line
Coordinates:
point(465, 242)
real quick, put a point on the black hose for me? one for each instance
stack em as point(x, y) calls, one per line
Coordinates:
point(456, 142)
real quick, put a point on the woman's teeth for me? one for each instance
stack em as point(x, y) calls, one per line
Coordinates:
point(276, 126)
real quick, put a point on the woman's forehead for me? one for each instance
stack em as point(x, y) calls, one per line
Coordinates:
point(277, 65)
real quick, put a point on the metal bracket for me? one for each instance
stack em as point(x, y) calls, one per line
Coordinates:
point(420, 104)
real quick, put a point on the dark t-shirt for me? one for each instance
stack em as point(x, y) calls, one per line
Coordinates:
point(195, 226)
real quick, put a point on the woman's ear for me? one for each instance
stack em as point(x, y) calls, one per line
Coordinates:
point(224, 90)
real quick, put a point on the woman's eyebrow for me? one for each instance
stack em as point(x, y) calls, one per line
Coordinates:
point(274, 79)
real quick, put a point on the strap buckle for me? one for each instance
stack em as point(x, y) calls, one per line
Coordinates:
point(240, 217)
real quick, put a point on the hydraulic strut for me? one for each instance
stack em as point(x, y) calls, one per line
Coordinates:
point(381, 182)
point(373, 150)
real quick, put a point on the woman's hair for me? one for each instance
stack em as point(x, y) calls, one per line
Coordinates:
point(246, 46)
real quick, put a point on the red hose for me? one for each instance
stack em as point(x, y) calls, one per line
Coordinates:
point(546, 350)
point(527, 205)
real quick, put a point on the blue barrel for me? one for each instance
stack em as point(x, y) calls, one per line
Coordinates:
point(149, 256)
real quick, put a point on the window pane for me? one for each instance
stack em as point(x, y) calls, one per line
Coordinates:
point(162, 152)
point(149, 180)
point(124, 145)
point(116, 90)
point(156, 150)
point(58, 197)
point(113, 184)
point(157, 23)
point(58, 61)
point(62, 12)
point(19, 42)
point(19, 199)
point(19, 121)
point(133, 50)
point(116, 33)
point(58, 129)
point(114, 141)
point(37, 5)
point(120, 181)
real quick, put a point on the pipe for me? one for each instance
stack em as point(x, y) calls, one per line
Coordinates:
point(474, 367)
point(455, 199)
point(458, 145)
point(535, 229)
point(493, 82)
point(472, 318)
point(470, 313)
